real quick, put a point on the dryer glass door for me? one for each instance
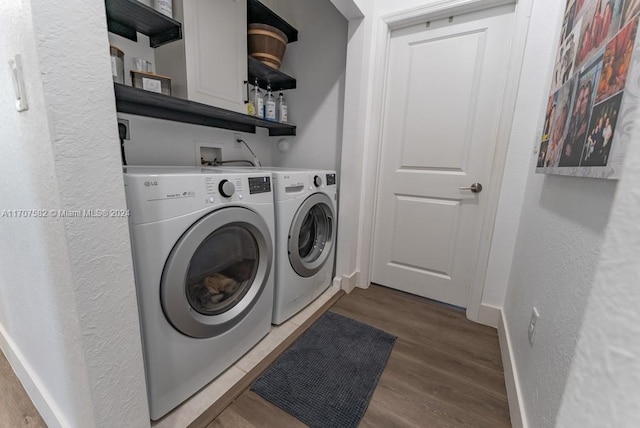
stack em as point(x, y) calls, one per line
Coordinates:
point(312, 235)
point(216, 272)
point(222, 270)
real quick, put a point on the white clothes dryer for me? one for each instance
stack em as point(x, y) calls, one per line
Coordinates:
point(306, 214)
point(203, 251)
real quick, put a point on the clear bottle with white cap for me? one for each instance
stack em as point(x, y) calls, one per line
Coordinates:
point(270, 105)
point(282, 109)
point(257, 100)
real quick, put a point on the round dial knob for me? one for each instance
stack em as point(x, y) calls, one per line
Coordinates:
point(317, 180)
point(226, 188)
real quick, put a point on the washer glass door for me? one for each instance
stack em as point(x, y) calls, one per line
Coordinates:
point(312, 235)
point(216, 272)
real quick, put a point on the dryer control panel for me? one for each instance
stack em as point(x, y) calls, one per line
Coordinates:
point(297, 184)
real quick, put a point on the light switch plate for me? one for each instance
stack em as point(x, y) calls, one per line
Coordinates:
point(15, 64)
point(532, 325)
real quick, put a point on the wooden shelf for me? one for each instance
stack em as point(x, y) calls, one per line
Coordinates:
point(144, 103)
point(126, 17)
point(257, 13)
point(267, 75)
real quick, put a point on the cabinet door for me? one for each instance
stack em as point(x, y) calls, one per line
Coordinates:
point(215, 34)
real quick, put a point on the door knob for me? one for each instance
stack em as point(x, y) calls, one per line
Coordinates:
point(475, 188)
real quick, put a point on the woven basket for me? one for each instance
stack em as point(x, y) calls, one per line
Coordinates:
point(266, 44)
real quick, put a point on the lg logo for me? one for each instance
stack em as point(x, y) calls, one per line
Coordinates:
point(150, 183)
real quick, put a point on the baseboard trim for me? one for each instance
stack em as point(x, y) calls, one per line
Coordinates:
point(31, 382)
point(489, 315)
point(514, 392)
point(347, 282)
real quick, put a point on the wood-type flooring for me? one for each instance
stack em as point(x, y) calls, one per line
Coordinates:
point(444, 371)
point(16, 408)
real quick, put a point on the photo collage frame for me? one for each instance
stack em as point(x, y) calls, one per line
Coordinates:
point(595, 88)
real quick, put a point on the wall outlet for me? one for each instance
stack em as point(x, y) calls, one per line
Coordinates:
point(237, 144)
point(532, 325)
point(125, 123)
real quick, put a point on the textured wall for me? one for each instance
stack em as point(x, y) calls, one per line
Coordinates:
point(68, 309)
point(38, 320)
point(557, 248)
point(78, 89)
point(602, 390)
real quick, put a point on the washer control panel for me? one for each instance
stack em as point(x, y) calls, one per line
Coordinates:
point(259, 185)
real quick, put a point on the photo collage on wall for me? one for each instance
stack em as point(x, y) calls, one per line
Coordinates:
point(595, 88)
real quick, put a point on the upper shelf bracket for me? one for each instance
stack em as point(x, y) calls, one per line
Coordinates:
point(129, 17)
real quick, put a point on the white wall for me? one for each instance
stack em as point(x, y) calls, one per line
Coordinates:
point(317, 61)
point(602, 390)
point(557, 249)
point(162, 142)
point(558, 243)
point(38, 319)
point(534, 85)
point(356, 118)
point(68, 322)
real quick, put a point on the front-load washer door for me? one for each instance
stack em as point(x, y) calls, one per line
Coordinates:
point(216, 272)
point(312, 235)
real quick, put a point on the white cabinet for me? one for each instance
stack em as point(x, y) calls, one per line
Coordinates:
point(209, 65)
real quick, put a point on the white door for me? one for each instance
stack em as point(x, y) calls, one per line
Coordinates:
point(444, 90)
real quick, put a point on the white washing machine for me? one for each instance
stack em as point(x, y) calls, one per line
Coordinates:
point(203, 250)
point(306, 215)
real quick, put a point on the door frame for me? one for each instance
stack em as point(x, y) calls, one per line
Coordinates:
point(383, 27)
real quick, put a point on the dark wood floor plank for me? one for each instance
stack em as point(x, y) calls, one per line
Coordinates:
point(398, 405)
point(402, 318)
point(429, 313)
point(444, 372)
point(473, 375)
point(443, 391)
